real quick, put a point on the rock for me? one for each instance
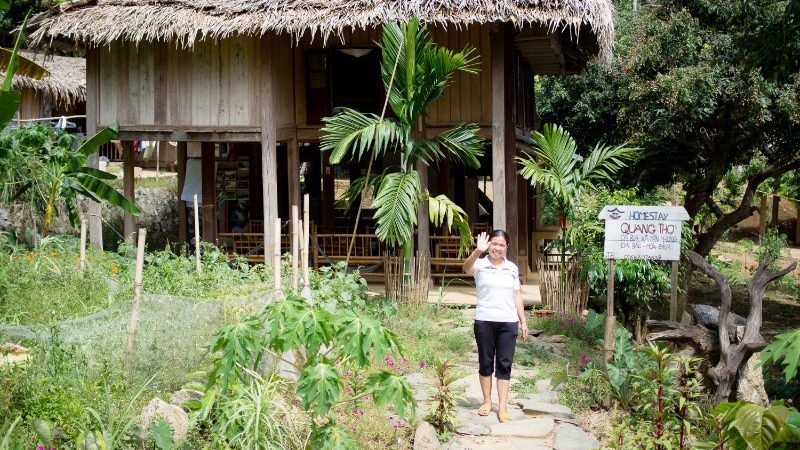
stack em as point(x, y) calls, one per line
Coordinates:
point(473, 430)
point(570, 437)
point(534, 332)
point(12, 354)
point(467, 442)
point(543, 385)
point(751, 382)
point(469, 416)
point(532, 408)
point(538, 427)
point(544, 397)
point(176, 417)
point(184, 395)
point(556, 339)
point(425, 438)
point(708, 316)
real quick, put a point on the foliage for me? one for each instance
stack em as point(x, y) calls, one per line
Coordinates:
point(58, 171)
point(786, 351)
point(748, 426)
point(587, 389)
point(415, 72)
point(443, 410)
point(623, 367)
point(588, 329)
point(705, 88)
point(258, 414)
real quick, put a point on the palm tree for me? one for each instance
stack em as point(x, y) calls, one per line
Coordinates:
point(415, 72)
point(556, 166)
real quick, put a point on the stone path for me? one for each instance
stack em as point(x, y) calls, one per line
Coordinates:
point(538, 421)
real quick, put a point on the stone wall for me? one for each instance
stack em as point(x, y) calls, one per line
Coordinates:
point(159, 215)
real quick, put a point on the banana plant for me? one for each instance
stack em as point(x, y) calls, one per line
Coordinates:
point(415, 72)
point(68, 177)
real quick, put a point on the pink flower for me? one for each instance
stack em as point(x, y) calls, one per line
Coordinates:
point(421, 365)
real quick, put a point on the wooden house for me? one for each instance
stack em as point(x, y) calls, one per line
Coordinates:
point(245, 84)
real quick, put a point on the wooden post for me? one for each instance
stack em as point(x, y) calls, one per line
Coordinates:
point(293, 169)
point(137, 292)
point(306, 238)
point(295, 246)
point(328, 186)
point(158, 158)
point(209, 192)
point(423, 215)
point(611, 321)
point(129, 223)
point(92, 86)
point(504, 181)
point(181, 180)
point(196, 235)
point(673, 293)
point(276, 252)
point(269, 174)
point(762, 218)
point(83, 244)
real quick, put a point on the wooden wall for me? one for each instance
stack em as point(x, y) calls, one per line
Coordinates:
point(30, 105)
point(214, 84)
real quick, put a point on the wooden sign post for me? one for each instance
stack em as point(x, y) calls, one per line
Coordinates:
point(641, 232)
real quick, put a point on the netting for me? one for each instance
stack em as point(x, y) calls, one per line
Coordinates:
point(171, 335)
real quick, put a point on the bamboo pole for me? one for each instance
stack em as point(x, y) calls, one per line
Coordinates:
point(295, 246)
point(196, 235)
point(306, 239)
point(137, 292)
point(276, 255)
point(83, 244)
point(611, 321)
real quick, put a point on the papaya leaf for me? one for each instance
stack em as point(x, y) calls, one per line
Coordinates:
point(319, 387)
point(390, 388)
point(331, 437)
point(361, 336)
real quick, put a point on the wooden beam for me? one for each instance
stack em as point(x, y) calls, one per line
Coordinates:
point(225, 134)
point(269, 162)
point(128, 182)
point(92, 85)
point(209, 192)
point(504, 180)
point(181, 180)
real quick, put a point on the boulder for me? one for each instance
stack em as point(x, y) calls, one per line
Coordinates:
point(425, 438)
point(176, 417)
point(556, 339)
point(184, 395)
point(570, 437)
point(751, 382)
point(708, 316)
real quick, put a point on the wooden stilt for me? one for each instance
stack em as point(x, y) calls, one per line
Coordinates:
point(197, 235)
point(129, 223)
point(209, 192)
point(269, 174)
point(276, 252)
point(295, 247)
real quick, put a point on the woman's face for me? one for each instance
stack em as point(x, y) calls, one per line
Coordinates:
point(498, 247)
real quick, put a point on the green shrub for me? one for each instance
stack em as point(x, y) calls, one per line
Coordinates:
point(587, 329)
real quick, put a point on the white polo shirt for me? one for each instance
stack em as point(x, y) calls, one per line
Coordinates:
point(496, 286)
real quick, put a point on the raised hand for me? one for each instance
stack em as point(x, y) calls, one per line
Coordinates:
point(482, 242)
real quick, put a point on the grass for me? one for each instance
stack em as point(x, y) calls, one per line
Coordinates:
point(148, 183)
point(425, 333)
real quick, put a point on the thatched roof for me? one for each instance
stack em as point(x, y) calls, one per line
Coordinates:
point(66, 84)
point(98, 22)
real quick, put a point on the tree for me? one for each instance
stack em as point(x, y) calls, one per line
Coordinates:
point(415, 72)
point(703, 87)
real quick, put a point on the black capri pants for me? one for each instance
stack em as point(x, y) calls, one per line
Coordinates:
point(496, 342)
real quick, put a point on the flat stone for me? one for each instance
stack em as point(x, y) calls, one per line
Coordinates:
point(473, 396)
point(556, 339)
point(533, 408)
point(534, 332)
point(543, 385)
point(517, 373)
point(469, 416)
point(418, 379)
point(570, 437)
point(538, 427)
point(425, 438)
point(496, 443)
point(544, 397)
point(473, 430)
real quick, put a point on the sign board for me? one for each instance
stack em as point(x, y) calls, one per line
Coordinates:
point(643, 232)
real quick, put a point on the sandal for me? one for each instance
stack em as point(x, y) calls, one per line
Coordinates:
point(485, 409)
point(503, 416)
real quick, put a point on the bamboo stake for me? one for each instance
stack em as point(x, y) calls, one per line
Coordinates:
point(83, 244)
point(276, 259)
point(306, 239)
point(196, 235)
point(137, 292)
point(295, 246)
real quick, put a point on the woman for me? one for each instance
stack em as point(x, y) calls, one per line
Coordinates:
point(499, 315)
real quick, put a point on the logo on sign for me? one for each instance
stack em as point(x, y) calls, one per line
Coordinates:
point(615, 213)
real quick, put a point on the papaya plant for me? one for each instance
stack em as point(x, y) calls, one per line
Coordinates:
point(785, 350)
point(747, 426)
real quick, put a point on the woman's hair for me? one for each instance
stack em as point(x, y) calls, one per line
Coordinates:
point(502, 234)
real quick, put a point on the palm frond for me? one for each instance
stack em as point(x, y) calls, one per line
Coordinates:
point(605, 161)
point(352, 132)
point(444, 211)
point(396, 202)
point(353, 193)
point(463, 143)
